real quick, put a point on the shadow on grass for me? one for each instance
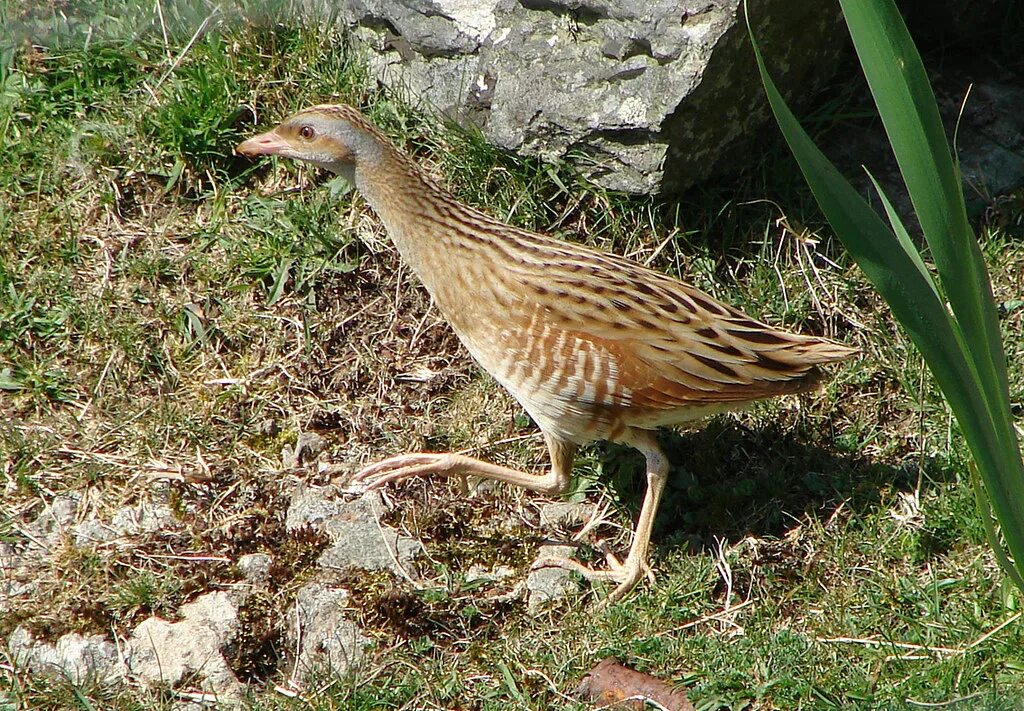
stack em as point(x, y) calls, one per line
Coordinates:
point(729, 481)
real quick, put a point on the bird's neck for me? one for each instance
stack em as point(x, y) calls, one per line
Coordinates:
point(407, 202)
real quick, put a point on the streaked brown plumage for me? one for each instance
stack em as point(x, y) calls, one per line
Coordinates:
point(593, 345)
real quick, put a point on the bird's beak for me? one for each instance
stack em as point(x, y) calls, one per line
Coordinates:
point(265, 144)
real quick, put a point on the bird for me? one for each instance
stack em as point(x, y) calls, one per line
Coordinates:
point(593, 345)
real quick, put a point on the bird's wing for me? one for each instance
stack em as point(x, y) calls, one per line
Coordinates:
point(671, 345)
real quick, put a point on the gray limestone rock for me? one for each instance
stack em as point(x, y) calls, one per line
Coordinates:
point(143, 517)
point(358, 538)
point(566, 513)
point(166, 653)
point(547, 585)
point(53, 522)
point(323, 635)
point(990, 143)
point(308, 447)
point(478, 573)
point(78, 658)
point(256, 568)
point(644, 96)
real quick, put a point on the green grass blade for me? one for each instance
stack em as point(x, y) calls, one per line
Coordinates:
point(899, 277)
point(900, 231)
point(985, 508)
point(906, 104)
point(890, 263)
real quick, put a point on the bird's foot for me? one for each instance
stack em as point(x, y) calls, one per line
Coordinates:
point(626, 574)
point(404, 466)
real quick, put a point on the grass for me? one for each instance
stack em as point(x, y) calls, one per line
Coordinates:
point(171, 317)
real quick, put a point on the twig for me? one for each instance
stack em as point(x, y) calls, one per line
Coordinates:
point(551, 685)
point(713, 617)
point(942, 704)
point(298, 648)
point(185, 51)
point(252, 376)
point(163, 28)
point(287, 691)
point(871, 642)
point(876, 643)
point(198, 558)
point(96, 390)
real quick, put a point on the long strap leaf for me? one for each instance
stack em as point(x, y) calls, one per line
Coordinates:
point(962, 349)
point(907, 106)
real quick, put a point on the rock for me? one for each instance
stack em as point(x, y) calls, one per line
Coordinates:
point(943, 23)
point(478, 572)
point(166, 653)
point(547, 585)
point(358, 539)
point(311, 506)
point(307, 447)
point(990, 143)
point(78, 658)
point(644, 96)
point(256, 568)
point(54, 522)
point(990, 140)
point(319, 629)
point(143, 517)
point(91, 532)
point(566, 513)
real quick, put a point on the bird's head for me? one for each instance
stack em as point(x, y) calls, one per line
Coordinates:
point(337, 138)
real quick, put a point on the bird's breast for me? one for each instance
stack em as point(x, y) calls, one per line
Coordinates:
point(569, 383)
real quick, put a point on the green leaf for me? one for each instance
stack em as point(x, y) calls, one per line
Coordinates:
point(9, 382)
point(906, 104)
point(962, 348)
point(280, 279)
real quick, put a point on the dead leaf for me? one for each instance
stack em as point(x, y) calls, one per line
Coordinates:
point(614, 686)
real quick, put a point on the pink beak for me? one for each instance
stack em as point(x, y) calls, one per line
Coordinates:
point(265, 144)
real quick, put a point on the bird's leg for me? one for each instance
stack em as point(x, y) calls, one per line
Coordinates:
point(628, 573)
point(404, 466)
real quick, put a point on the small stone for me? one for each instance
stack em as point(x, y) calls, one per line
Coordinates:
point(144, 517)
point(48, 527)
point(307, 448)
point(311, 506)
point(566, 513)
point(549, 584)
point(324, 635)
point(91, 532)
point(358, 538)
point(76, 657)
point(256, 568)
point(64, 508)
point(166, 653)
point(215, 609)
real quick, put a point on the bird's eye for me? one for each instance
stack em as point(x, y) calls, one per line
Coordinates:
point(307, 132)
